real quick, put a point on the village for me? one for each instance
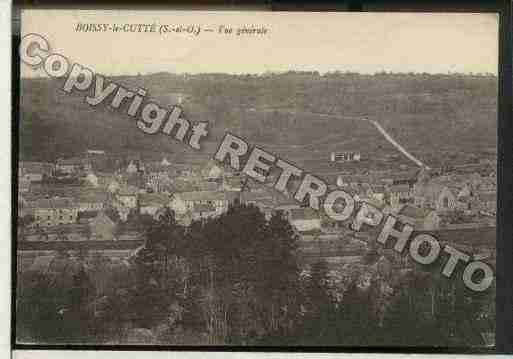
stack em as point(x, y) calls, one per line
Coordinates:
point(72, 200)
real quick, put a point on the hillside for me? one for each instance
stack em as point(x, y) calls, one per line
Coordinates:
point(302, 116)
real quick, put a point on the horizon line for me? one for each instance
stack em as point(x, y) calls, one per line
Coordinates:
point(298, 72)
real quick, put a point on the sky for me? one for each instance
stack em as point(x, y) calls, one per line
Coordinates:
point(322, 41)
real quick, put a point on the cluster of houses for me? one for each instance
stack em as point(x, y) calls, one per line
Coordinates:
point(71, 192)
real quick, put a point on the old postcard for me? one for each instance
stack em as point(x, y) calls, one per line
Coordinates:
point(257, 179)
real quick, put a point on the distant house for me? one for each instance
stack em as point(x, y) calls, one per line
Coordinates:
point(34, 171)
point(91, 200)
point(102, 227)
point(95, 152)
point(157, 177)
point(54, 211)
point(348, 156)
point(165, 162)
point(212, 171)
point(399, 193)
point(113, 186)
point(377, 193)
point(207, 186)
point(434, 196)
point(73, 165)
point(127, 196)
point(23, 185)
point(152, 203)
point(232, 184)
point(185, 201)
point(305, 219)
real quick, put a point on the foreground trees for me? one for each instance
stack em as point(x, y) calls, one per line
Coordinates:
point(236, 280)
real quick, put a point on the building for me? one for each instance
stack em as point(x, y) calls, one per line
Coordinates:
point(232, 184)
point(54, 211)
point(212, 171)
point(95, 152)
point(90, 200)
point(185, 201)
point(434, 196)
point(34, 171)
point(397, 194)
point(24, 185)
point(348, 156)
point(73, 165)
point(113, 186)
point(127, 196)
point(102, 227)
point(152, 203)
point(157, 178)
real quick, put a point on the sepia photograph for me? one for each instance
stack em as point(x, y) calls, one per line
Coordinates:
point(256, 179)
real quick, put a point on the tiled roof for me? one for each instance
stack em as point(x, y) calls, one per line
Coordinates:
point(92, 196)
point(152, 199)
point(54, 203)
point(72, 161)
point(128, 191)
point(399, 188)
point(204, 196)
point(35, 167)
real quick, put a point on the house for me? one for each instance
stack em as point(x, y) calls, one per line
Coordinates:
point(54, 211)
point(207, 186)
point(73, 165)
point(34, 171)
point(113, 186)
point(377, 193)
point(434, 196)
point(347, 156)
point(157, 177)
point(305, 219)
point(418, 218)
point(212, 171)
point(127, 196)
point(102, 227)
point(24, 185)
point(232, 184)
point(165, 162)
point(399, 193)
point(185, 201)
point(152, 203)
point(91, 200)
point(95, 152)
